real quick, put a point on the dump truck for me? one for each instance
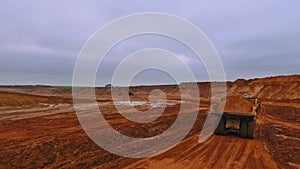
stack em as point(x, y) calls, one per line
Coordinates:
point(238, 115)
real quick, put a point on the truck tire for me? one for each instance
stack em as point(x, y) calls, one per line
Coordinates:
point(244, 129)
point(251, 129)
point(223, 126)
point(217, 131)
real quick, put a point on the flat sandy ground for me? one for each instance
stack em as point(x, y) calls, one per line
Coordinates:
point(39, 129)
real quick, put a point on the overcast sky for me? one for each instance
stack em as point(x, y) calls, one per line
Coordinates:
point(40, 40)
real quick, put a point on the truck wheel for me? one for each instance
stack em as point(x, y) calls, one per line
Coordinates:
point(223, 126)
point(217, 131)
point(243, 129)
point(251, 129)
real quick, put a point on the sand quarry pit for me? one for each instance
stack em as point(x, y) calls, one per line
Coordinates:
point(39, 129)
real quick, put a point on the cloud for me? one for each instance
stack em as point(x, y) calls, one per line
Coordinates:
point(253, 38)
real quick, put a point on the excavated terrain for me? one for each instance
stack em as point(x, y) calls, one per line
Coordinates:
point(39, 128)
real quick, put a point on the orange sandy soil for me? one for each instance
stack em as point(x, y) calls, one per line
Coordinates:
point(39, 129)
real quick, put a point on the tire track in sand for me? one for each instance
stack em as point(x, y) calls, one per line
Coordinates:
point(218, 152)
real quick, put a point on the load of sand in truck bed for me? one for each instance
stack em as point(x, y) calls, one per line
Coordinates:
point(234, 104)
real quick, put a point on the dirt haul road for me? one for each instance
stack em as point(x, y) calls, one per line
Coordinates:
point(218, 152)
point(39, 129)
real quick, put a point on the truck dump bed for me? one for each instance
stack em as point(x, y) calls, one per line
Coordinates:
point(236, 105)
